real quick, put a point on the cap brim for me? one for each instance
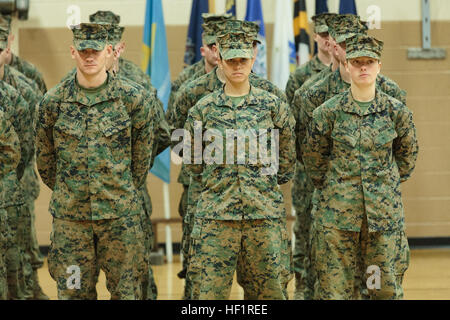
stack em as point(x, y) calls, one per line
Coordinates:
point(321, 28)
point(362, 53)
point(342, 37)
point(228, 54)
point(89, 44)
point(113, 42)
point(209, 39)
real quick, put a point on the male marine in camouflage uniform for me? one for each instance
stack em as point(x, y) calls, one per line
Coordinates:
point(17, 111)
point(9, 159)
point(209, 58)
point(161, 142)
point(303, 188)
point(20, 114)
point(93, 150)
point(357, 154)
point(30, 181)
point(130, 72)
point(300, 186)
point(29, 90)
point(319, 62)
point(240, 218)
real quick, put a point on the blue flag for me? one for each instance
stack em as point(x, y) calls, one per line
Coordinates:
point(254, 13)
point(347, 6)
point(230, 7)
point(156, 64)
point(321, 7)
point(194, 36)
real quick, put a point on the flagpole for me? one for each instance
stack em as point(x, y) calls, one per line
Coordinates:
point(157, 67)
point(212, 6)
point(169, 247)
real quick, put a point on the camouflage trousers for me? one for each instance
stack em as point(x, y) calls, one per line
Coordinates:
point(253, 248)
point(30, 185)
point(149, 289)
point(194, 193)
point(192, 196)
point(117, 246)
point(4, 233)
point(355, 265)
point(287, 267)
point(37, 261)
point(18, 259)
point(182, 210)
point(302, 191)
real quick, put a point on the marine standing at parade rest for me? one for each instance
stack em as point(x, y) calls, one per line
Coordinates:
point(94, 139)
point(301, 189)
point(9, 159)
point(240, 217)
point(360, 145)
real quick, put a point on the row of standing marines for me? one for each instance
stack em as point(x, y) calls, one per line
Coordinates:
point(341, 125)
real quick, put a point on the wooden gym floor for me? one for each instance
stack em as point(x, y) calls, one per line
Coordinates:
point(428, 278)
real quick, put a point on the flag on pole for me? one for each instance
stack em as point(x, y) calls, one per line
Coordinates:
point(230, 7)
point(194, 36)
point(347, 6)
point(321, 7)
point(156, 64)
point(254, 13)
point(301, 32)
point(283, 52)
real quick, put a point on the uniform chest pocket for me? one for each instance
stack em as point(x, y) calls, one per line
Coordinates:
point(117, 136)
point(262, 121)
point(113, 126)
point(70, 127)
point(68, 135)
point(384, 136)
point(217, 122)
point(344, 137)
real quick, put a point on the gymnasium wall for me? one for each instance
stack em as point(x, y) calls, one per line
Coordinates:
point(44, 40)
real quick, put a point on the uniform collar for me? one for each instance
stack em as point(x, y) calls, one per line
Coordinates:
point(224, 100)
point(316, 64)
point(73, 92)
point(352, 106)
